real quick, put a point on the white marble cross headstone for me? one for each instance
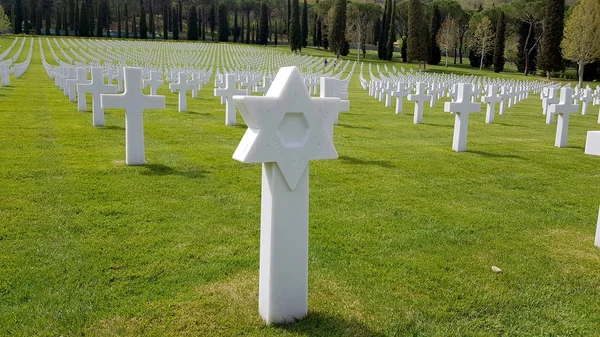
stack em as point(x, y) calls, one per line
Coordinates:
point(564, 108)
point(331, 87)
point(154, 82)
point(286, 129)
point(72, 86)
point(419, 97)
point(183, 87)
point(96, 87)
point(462, 108)
point(491, 99)
point(134, 102)
point(228, 92)
point(399, 93)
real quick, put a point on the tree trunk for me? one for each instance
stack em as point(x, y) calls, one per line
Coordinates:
point(526, 51)
point(460, 47)
point(581, 67)
point(446, 56)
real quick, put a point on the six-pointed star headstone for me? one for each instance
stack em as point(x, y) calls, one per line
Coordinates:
point(286, 129)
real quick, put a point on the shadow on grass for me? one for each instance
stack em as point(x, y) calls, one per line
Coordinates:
point(164, 170)
point(354, 127)
point(496, 155)
point(113, 127)
point(322, 324)
point(356, 161)
point(197, 113)
point(439, 125)
point(506, 124)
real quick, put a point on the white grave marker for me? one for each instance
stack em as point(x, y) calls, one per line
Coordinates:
point(96, 87)
point(462, 108)
point(419, 97)
point(182, 86)
point(134, 102)
point(286, 129)
point(227, 92)
point(564, 108)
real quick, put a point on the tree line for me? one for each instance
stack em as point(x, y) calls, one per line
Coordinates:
point(528, 33)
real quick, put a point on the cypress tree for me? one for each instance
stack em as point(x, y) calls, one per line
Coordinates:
point(65, 23)
point(143, 25)
point(383, 30)
point(325, 38)
point(236, 28)
point(134, 27)
point(305, 25)
point(118, 21)
point(175, 27)
point(377, 32)
point(180, 16)
point(416, 47)
point(435, 54)
point(126, 22)
point(58, 22)
point(338, 31)
point(48, 21)
point(223, 23)
point(72, 14)
point(319, 41)
point(264, 24)
point(76, 25)
point(84, 29)
point(276, 31)
point(151, 22)
point(192, 33)
point(212, 18)
point(200, 22)
point(289, 17)
point(165, 21)
point(499, 44)
point(550, 58)
point(99, 22)
point(38, 21)
point(314, 35)
point(391, 34)
point(295, 35)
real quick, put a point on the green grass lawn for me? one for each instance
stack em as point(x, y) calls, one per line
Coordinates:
point(403, 231)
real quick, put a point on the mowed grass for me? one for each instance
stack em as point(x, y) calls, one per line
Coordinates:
point(403, 231)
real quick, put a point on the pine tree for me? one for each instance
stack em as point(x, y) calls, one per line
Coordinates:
point(550, 58)
point(435, 54)
point(295, 35)
point(223, 23)
point(338, 31)
point(499, 44)
point(118, 21)
point(192, 33)
point(264, 24)
point(143, 25)
point(389, 49)
point(384, 29)
point(305, 25)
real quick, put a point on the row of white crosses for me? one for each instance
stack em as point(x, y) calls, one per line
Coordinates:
point(8, 66)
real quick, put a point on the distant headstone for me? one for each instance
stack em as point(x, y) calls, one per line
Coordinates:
point(96, 87)
point(419, 97)
point(227, 92)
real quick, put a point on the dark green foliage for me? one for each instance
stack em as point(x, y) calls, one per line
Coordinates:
point(71, 22)
point(84, 24)
point(305, 25)
point(192, 33)
point(100, 22)
point(550, 58)
point(212, 19)
point(143, 24)
point(126, 22)
point(522, 61)
point(499, 44)
point(76, 25)
point(180, 16)
point(314, 33)
point(403, 50)
point(118, 21)
point(289, 16)
point(325, 40)
point(435, 54)
point(200, 24)
point(58, 22)
point(338, 31)
point(416, 48)
point(48, 21)
point(384, 29)
point(65, 24)
point(134, 28)
point(223, 23)
point(295, 35)
point(319, 39)
point(151, 22)
point(389, 48)
point(165, 21)
point(38, 21)
point(345, 48)
point(264, 24)
point(175, 24)
point(236, 28)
